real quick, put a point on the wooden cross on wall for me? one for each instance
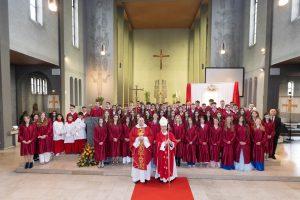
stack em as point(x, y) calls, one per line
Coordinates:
point(161, 56)
point(290, 105)
point(136, 89)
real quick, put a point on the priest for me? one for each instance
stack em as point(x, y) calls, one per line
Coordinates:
point(166, 169)
point(141, 147)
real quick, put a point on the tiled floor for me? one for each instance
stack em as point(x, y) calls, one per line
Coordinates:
point(65, 186)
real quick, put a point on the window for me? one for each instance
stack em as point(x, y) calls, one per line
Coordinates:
point(80, 92)
point(71, 91)
point(76, 91)
point(291, 88)
point(39, 85)
point(45, 87)
point(295, 13)
point(36, 11)
point(253, 22)
point(33, 85)
point(75, 31)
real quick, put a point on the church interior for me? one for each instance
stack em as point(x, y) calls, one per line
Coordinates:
point(58, 53)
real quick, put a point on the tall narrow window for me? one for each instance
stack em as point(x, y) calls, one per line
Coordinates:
point(76, 91)
point(36, 11)
point(75, 28)
point(33, 85)
point(39, 86)
point(253, 22)
point(250, 98)
point(45, 87)
point(71, 91)
point(255, 91)
point(246, 93)
point(295, 14)
point(80, 92)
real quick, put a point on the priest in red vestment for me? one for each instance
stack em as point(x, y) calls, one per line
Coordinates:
point(166, 142)
point(141, 147)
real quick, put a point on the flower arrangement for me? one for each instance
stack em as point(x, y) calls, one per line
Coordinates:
point(86, 158)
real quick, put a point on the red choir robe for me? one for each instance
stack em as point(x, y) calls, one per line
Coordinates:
point(85, 115)
point(155, 129)
point(228, 152)
point(191, 142)
point(215, 143)
point(74, 115)
point(45, 144)
point(107, 142)
point(100, 135)
point(243, 135)
point(166, 167)
point(96, 112)
point(27, 133)
point(115, 131)
point(179, 133)
point(258, 135)
point(203, 142)
point(125, 140)
point(141, 155)
point(270, 133)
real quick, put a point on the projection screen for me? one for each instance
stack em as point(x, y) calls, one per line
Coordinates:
point(225, 74)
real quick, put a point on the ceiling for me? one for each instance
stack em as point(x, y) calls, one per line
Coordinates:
point(155, 14)
point(18, 58)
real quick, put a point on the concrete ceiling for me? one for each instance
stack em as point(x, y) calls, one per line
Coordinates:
point(18, 58)
point(155, 14)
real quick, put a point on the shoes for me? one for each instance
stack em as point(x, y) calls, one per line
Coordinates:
point(30, 165)
point(26, 165)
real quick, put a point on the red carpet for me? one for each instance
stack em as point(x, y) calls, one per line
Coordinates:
point(178, 189)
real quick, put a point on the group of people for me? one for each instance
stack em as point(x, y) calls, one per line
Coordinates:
point(225, 136)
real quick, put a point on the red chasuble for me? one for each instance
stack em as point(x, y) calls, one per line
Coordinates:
point(163, 163)
point(141, 155)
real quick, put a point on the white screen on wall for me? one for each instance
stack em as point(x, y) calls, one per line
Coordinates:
point(222, 74)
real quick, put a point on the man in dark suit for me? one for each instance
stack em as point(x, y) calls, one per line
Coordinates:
point(277, 121)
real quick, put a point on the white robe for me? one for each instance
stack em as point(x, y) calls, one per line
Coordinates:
point(58, 131)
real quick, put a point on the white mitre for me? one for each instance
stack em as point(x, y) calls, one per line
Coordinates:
point(163, 121)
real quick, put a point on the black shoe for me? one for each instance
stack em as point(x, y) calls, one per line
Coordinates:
point(26, 165)
point(273, 157)
point(30, 165)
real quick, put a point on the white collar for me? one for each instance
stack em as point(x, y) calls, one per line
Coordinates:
point(165, 133)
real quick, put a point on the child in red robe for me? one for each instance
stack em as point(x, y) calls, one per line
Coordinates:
point(259, 139)
point(27, 136)
point(215, 143)
point(126, 128)
point(179, 133)
point(191, 141)
point(45, 138)
point(243, 146)
point(203, 139)
point(270, 133)
point(155, 129)
point(115, 133)
point(100, 135)
point(58, 135)
point(228, 137)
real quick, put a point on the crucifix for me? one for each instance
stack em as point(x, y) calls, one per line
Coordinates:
point(289, 105)
point(161, 56)
point(53, 102)
point(136, 89)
